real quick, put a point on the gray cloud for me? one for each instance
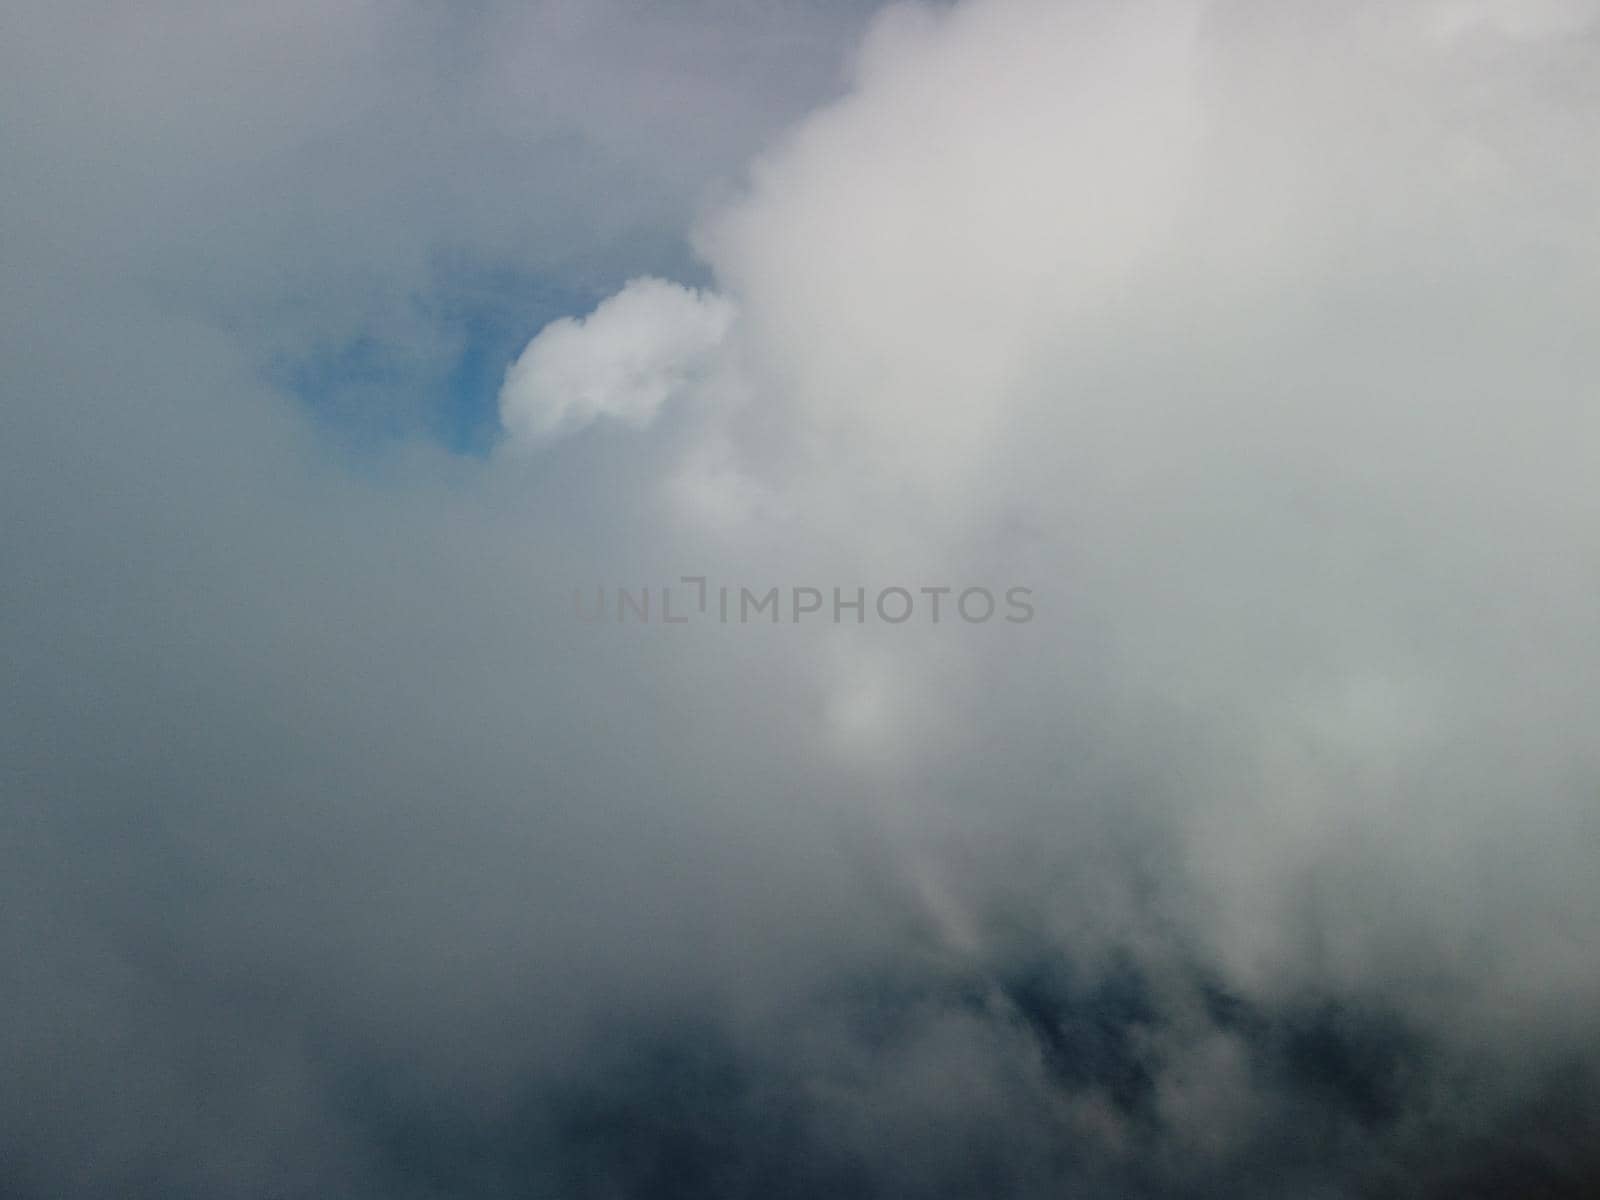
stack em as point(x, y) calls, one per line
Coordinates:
point(338, 858)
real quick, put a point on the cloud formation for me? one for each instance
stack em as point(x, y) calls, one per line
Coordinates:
point(1255, 339)
point(642, 346)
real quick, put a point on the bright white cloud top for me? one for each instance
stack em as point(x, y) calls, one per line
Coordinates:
point(650, 342)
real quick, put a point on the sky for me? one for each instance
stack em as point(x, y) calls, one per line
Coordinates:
point(762, 598)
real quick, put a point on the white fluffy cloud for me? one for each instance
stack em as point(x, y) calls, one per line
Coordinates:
point(651, 341)
point(1252, 336)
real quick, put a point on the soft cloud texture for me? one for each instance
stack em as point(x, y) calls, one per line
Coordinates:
point(1256, 342)
point(651, 341)
point(1255, 338)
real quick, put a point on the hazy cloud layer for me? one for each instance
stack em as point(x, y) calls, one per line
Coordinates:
point(1256, 340)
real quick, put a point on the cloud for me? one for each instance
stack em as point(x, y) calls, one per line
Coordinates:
point(1257, 352)
point(641, 347)
point(1255, 339)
